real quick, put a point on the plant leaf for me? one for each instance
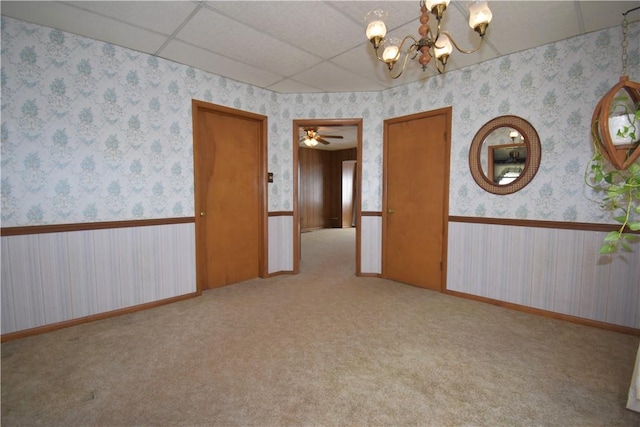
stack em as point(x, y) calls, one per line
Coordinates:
point(612, 236)
point(607, 248)
point(621, 219)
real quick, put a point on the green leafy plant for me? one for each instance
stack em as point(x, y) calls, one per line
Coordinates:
point(621, 196)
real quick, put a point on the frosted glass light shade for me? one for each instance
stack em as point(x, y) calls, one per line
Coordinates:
point(391, 50)
point(310, 142)
point(430, 4)
point(375, 23)
point(479, 13)
point(443, 46)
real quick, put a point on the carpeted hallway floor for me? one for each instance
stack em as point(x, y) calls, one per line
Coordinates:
point(323, 348)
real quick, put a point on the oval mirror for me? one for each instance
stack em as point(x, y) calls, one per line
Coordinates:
point(505, 155)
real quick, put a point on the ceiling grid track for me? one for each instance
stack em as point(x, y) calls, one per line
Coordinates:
point(177, 30)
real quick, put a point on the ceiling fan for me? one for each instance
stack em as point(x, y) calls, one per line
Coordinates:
point(312, 137)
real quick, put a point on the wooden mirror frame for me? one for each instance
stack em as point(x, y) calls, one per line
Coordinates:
point(534, 151)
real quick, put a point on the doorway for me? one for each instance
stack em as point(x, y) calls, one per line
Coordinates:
point(416, 198)
point(230, 152)
point(314, 212)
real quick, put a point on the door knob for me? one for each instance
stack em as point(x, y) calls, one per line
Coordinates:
point(390, 211)
point(202, 213)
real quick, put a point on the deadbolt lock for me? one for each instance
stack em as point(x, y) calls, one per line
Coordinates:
point(390, 211)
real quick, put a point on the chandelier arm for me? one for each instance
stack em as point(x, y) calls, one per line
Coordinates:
point(404, 66)
point(438, 69)
point(414, 44)
point(458, 48)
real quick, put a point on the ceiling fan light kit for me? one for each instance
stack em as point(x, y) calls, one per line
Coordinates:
point(312, 137)
point(427, 46)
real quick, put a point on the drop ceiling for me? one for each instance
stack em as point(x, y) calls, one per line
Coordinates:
point(308, 46)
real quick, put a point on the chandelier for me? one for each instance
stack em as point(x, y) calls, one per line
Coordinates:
point(428, 46)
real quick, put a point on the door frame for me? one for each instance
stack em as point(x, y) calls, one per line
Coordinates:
point(300, 123)
point(196, 106)
point(447, 112)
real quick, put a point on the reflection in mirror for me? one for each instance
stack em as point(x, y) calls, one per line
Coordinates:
point(504, 155)
point(506, 162)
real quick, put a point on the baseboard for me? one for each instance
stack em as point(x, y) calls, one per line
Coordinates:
point(553, 315)
point(73, 322)
point(368, 274)
point(279, 273)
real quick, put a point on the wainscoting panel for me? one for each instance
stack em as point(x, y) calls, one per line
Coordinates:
point(280, 243)
point(552, 269)
point(371, 244)
point(54, 277)
point(84, 299)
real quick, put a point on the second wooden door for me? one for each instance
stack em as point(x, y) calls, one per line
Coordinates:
point(416, 169)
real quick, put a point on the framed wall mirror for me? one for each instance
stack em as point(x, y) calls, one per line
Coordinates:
point(505, 155)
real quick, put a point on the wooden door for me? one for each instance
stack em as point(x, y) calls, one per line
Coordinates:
point(348, 193)
point(230, 194)
point(415, 198)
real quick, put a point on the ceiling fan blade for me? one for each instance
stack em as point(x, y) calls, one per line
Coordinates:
point(331, 136)
point(322, 141)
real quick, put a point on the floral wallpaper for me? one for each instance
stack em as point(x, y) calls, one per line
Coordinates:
point(95, 132)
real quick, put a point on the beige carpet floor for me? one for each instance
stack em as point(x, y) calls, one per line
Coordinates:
point(323, 348)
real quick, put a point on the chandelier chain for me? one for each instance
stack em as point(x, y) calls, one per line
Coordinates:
point(625, 41)
point(625, 44)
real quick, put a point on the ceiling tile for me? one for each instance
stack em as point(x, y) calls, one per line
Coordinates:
point(164, 17)
point(314, 27)
point(229, 38)
point(291, 86)
point(77, 21)
point(520, 25)
point(223, 66)
point(598, 15)
point(400, 12)
point(331, 78)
